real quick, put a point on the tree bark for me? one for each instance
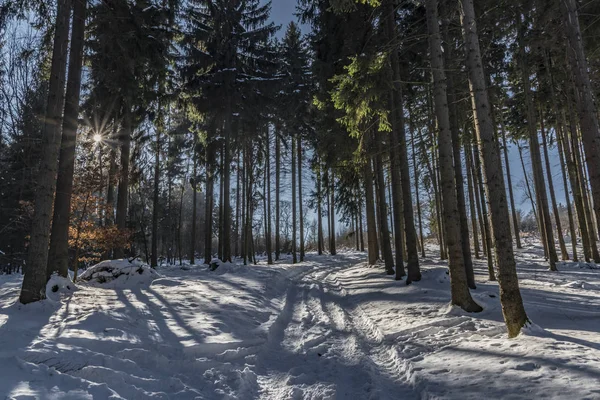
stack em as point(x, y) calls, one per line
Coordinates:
point(301, 211)
point(194, 185)
point(34, 282)
point(332, 249)
point(155, 204)
point(294, 214)
point(459, 281)
point(319, 211)
point(510, 295)
point(277, 193)
point(59, 239)
point(268, 200)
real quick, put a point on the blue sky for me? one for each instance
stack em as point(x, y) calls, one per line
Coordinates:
point(282, 13)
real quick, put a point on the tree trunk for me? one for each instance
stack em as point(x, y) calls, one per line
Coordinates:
point(414, 272)
point(459, 281)
point(510, 295)
point(562, 160)
point(155, 205)
point(209, 205)
point(577, 194)
point(59, 240)
point(34, 282)
point(123, 188)
point(319, 211)
point(577, 160)
point(510, 186)
point(536, 159)
point(372, 245)
point(277, 193)
point(561, 240)
point(386, 247)
point(194, 184)
point(417, 185)
point(458, 169)
point(294, 215)
point(588, 117)
point(237, 207)
point(268, 200)
point(332, 249)
point(301, 211)
point(486, 230)
point(472, 203)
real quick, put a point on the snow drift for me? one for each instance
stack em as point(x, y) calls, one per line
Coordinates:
point(120, 274)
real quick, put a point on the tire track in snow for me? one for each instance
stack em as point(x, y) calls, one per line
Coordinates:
point(321, 350)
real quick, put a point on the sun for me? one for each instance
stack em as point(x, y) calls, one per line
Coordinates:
point(97, 138)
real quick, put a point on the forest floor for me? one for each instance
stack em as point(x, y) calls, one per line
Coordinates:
point(328, 328)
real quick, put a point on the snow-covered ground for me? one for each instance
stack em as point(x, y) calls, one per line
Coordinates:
point(329, 328)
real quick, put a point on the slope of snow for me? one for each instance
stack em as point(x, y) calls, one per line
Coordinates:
point(329, 328)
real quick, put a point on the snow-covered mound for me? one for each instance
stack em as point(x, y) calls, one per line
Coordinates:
point(222, 267)
point(58, 286)
point(120, 273)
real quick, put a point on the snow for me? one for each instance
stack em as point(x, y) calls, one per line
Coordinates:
point(328, 328)
point(121, 273)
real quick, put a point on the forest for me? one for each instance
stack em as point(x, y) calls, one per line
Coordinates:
point(366, 187)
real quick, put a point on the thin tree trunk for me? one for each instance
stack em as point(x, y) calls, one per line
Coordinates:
point(194, 184)
point(529, 192)
point(459, 281)
point(510, 295)
point(209, 205)
point(123, 188)
point(237, 207)
point(372, 244)
point(417, 195)
point(277, 193)
point(268, 200)
point(510, 186)
point(155, 205)
point(59, 239)
point(562, 160)
point(300, 208)
point(472, 210)
point(319, 211)
point(386, 247)
point(294, 214)
point(487, 237)
point(332, 249)
point(561, 240)
point(360, 227)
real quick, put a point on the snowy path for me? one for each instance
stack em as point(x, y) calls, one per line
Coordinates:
point(334, 351)
point(329, 328)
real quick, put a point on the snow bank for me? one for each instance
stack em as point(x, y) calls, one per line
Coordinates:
point(120, 274)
